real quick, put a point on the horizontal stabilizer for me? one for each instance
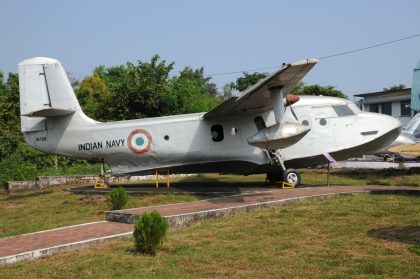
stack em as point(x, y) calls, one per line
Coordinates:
point(50, 112)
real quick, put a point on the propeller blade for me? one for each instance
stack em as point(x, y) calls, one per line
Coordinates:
point(289, 103)
point(294, 114)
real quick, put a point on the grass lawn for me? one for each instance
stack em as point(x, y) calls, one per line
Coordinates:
point(364, 236)
point(394, 177)
point(54, 207)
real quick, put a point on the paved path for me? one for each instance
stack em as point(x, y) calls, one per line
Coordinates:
point(39, 240)
point(247, 199)
point(33, 245)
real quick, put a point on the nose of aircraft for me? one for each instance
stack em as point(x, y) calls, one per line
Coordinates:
point(381, 129)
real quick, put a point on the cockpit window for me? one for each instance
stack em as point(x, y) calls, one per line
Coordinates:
point(343, 110)
point(354, 108)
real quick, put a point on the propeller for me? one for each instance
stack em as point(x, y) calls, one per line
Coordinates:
point(291, 99)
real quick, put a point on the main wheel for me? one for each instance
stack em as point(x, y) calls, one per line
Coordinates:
point(292, 176)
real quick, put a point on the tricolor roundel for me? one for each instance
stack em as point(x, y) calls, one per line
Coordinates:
point(139, 141)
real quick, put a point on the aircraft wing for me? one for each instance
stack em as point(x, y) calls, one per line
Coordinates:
point(409, 149)
point(257, 99)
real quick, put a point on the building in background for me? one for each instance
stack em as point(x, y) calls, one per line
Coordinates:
point(393, 102)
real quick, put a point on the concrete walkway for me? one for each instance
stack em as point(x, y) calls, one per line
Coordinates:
point(30, 246)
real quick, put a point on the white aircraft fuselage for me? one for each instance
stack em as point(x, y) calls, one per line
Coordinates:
point(52, 121)
point(183, 143)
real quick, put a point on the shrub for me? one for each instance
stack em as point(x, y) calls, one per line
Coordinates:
point(118, 198)
point(149, 232)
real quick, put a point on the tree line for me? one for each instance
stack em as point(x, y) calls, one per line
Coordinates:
point(128, 91)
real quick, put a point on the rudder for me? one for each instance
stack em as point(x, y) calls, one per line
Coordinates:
point(46, 92)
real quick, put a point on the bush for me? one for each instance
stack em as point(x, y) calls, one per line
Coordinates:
point(149, 232)
point(118, 198)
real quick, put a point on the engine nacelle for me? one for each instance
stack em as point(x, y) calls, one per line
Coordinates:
point(279, 136)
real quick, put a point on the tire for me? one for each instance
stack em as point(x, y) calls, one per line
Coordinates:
point(292, 176)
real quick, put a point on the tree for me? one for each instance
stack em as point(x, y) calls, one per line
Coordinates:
point(93, 96)
point(9, 102)
point(228, 90)
point(75, 83)
point(114, 78)
point(191, 92)
point(395, 87)
point(318, 90)
point(248, 80)
point(145, 90)
point(147, 86)
point(242, 83)
point(17, 159)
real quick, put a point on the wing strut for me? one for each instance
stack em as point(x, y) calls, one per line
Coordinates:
point(277, 100)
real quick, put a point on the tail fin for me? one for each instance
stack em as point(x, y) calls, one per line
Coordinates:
point(415, 90)
point(46, 92)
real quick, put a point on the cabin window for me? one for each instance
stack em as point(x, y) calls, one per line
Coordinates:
point(343, 110)
point(305, 122)
point(325, 111)
point(354, 108)
point(166, 137)
point(217, 133)
point(323, 122)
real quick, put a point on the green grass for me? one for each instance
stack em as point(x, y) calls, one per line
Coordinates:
point(363, 236)
point(55, 207)
point(394, 177)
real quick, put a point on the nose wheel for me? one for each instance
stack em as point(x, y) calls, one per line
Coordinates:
point(291, 176)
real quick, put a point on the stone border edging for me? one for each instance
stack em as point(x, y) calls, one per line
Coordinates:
point(31, 255)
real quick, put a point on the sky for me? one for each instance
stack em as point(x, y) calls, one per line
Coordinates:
point(221, 36)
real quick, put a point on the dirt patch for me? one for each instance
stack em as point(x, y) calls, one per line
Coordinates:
point(10, 205)
point(100, 213)
point(90, 199)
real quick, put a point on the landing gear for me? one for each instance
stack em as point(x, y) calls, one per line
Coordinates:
point(290, 176)
point(103, 180)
